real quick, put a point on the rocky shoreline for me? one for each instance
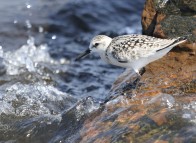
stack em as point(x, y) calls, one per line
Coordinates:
point(162, 107)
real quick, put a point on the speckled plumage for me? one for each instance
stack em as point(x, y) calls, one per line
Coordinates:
point(131, 51)
point(136, 51)
point(132, 47)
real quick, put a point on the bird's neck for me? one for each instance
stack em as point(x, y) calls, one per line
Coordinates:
point(102, 53)
point(103, 57)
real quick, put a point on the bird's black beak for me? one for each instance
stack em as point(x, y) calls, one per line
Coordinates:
point(83, 54)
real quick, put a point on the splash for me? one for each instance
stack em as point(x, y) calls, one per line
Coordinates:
point(85, 107)
point(33, 99)
point(25, 58)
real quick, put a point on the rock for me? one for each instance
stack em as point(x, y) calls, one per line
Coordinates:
point(143, 118)
point(169, 19)
point(160, 107)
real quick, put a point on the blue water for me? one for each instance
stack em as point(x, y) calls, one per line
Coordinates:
point(42, 89)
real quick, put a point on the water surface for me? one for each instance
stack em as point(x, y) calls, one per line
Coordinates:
point(44, 95)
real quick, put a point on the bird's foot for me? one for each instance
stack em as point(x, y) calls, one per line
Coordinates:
point(142, 71)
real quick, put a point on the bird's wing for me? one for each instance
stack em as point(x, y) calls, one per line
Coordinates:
point(131, 47)
point(174, 42)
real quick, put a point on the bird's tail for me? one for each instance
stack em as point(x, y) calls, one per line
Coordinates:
point(176, 41)
point(181, 39)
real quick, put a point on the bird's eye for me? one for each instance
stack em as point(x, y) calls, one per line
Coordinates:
point(96, 44)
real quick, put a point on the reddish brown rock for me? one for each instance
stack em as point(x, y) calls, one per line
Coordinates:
point(148, 18)
point(160, 108)
point(169, 20)
point(143, 118)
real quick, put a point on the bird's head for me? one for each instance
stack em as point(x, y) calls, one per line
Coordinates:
point(98, 45)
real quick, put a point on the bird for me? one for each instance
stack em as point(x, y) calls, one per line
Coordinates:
point(131, 51)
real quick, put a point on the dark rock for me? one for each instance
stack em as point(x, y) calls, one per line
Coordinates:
point(161, 107)
point(169, 19)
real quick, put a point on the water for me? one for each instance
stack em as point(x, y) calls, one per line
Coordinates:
point(45, 96)
point(42, 89)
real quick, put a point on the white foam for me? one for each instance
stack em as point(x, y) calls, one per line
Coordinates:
point(32, 99)
point(25, 58)
point(85, 107)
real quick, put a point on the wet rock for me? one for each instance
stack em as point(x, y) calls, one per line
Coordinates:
point(143, 118)
point(169, 19)
point(160, 107)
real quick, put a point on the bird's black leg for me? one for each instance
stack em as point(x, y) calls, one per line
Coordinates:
point(142, 71)
point(133, 81)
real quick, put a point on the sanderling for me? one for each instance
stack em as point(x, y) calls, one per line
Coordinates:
point(131, 51)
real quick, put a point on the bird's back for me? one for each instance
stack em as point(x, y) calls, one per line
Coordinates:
point(129, 48)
